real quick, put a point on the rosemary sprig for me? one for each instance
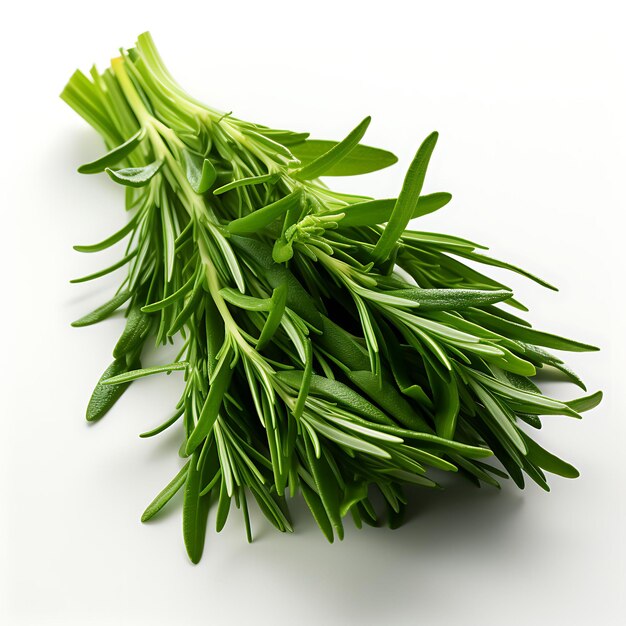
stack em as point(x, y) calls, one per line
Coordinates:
point(325, 348)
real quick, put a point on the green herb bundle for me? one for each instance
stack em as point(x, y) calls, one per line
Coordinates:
point(326, 348)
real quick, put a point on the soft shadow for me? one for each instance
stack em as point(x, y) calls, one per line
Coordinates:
point(376, 570)
point(458, 494)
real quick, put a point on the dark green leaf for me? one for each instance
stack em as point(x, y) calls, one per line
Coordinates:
point(105, 394)
point(447, 403)
point(335, 391)
point(530, 335)
point(389, 399)
point(450, 299)
point(548, 461)
point(298, 299)
point(212, 404)
point(195, 511)
point(223, 507)
point(327, 487)
point(319, 512)
point(353, 493)
point(137, 327)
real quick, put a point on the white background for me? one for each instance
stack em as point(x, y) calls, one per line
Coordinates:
point(529, 99)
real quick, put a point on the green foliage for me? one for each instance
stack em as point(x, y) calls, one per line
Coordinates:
point(326, 347)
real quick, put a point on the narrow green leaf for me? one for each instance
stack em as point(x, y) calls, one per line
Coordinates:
point(161, 427)
point(104, 311)
point(450, 299)
point(542, 357)
point(324, 163)
point(113, 157)
point(485, 260)
point(245, 182)
point(536, 473)
point(147, 371)
point(344, 439)
point(387, 396)
point(263, 217)
point(531, 420)
point(212, 404)
point(500, 417)
point(318, 511)
point(223, 506)
point(477, 470)
point(360, 160)
point(165, 302)
point(447, 403)
point(138, 325)
point(402, 372)
point(362, 430)
point(407, 201)
point(259, 255)
point(246, 515)
point(586, 403)
point(431, 459)
point(335, 391)
point(215, 333)
point(269, 144)
point(212, 483)
point(188, 310)
point(278, 301)
point(327, 487)
point(547, 461)
point(305, 384)
point(113, 239)
point(195, 511)
point(242, 301)
point(541, 403)
point(107, 270)
point(168, 492)
point(395, 519)
point(530, 335)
